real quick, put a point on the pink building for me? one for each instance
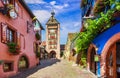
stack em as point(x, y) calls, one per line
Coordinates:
point(19, 42)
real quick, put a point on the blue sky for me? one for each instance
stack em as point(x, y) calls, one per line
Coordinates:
point(67, 12)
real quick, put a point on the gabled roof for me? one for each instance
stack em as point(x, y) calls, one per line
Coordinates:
point(52, 20)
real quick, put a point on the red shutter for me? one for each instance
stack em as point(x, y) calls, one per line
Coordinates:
point(4, 33)
point(18, 39)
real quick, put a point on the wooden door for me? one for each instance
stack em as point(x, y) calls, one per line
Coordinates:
point(93, 63)
point(111, 62)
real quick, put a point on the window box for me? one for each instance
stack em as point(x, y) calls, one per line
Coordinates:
point(13, 48)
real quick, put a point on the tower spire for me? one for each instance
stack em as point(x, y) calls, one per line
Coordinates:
point(52, 13)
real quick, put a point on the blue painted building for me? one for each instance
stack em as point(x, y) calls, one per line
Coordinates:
point(106, 45)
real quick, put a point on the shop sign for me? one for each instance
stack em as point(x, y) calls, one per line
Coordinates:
point(96, 58)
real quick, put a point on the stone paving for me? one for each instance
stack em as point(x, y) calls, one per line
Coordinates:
point(55, 69)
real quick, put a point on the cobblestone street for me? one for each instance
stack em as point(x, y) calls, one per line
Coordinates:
point(55, 69)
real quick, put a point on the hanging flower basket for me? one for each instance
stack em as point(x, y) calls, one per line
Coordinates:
point(13, 48)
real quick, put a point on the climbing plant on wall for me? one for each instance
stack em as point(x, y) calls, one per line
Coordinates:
point(96, 26)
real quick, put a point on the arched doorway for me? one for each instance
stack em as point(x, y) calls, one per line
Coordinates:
point(23, 63)
point(92, 61)
point(52, 54)
point(111, 62)
point(109, 65)
point(91, 64)
point(118, 59)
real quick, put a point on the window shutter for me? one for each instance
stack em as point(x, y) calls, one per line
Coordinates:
point(18, 39)
point(34, 46)
point(4, 33)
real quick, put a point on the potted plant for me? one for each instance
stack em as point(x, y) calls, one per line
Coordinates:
point(13, 48)
point(37, 35)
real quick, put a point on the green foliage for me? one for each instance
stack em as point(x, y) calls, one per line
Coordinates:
point(37, 35)
point(95, 27)
point(12, 47)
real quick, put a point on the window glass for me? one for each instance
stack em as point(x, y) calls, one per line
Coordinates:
point(10, 35)
point(8, 67)
point(5, 1)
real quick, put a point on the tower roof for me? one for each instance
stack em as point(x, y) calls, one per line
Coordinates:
point(52, 19)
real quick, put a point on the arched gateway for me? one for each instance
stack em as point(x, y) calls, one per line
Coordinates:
point(52, 54)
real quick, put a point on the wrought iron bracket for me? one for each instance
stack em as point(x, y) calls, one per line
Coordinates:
point(4, 10)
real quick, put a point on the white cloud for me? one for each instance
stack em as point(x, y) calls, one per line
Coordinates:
point(76, 24)
point(35, 1)
point(66, 5)
point(53, 2)
point(61, 6)
point(42, 15)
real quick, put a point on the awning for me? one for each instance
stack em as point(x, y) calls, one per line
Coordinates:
point(101, 39)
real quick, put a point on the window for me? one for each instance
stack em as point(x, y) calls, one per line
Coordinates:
point(5, 2)
point(8, 66)
point(10, 35)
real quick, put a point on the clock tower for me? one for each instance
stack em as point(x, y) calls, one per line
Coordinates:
point(53, 37)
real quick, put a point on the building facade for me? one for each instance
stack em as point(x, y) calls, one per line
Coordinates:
point(68, 47)
point(44, 54)
point(18, 41)
point(62, 50)
point(53, 37)
point(103, 53)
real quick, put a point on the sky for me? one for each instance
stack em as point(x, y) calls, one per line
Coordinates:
point(67, 12)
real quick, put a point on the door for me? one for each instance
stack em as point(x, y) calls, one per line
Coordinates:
point(23, 63)
point(111, 62)
point(93, 63)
